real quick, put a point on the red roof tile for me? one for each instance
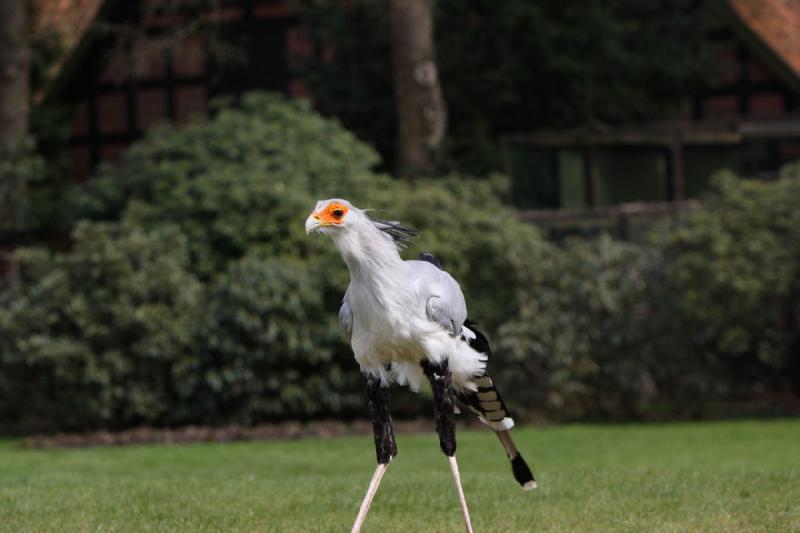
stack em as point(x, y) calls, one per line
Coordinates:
point(69, 20)
point(776, 23)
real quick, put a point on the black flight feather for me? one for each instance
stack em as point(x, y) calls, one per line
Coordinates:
point(399, 233)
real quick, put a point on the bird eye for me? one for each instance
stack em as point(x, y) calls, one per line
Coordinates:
point(338, 213)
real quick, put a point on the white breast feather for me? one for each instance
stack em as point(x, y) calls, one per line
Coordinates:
point(392, 333)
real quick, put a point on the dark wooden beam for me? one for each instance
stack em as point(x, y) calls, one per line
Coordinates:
point(130, 94)
point(94, 127)
point(790, 101)
point(634, 209)
point(698, 113)
point(169, 80)
point(675, 165)
point(100, 139)
point(742, 89)
point(638, 137)
point(589, 175)
point(168, 84)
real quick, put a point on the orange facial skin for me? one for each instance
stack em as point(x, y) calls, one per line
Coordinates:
point(332, 215)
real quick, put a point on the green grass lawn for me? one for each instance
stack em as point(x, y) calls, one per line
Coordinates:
point(718, 476)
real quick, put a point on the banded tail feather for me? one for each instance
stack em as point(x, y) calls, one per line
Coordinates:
point(487, 403)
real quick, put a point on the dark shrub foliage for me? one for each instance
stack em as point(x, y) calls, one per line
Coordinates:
point(705, 312)
point(192, 295)
point(271, 346)
point(600, 338)
point(98, 335)
point(735, 267)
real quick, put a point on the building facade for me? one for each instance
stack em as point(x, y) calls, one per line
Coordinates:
point(119, 82)
point(130, 64)
point(747, 121)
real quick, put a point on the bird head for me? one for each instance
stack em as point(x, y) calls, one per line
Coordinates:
point(332, 215)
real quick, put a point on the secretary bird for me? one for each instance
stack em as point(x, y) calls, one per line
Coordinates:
point(407, 321)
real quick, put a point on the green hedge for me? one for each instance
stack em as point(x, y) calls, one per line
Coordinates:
point(735, 268)
point(592, 335)
point(269, 347)
point(191, 294)
point(701, 313)
point(98, 335)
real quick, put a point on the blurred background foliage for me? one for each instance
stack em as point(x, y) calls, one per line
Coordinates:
point(190, 292)
point(544, 64)
point(20, 167)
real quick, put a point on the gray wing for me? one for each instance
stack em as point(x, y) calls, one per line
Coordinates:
point(346, 315)
point(441, 312)
point(444, 301)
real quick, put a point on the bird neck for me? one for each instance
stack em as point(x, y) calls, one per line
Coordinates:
point(370, 254)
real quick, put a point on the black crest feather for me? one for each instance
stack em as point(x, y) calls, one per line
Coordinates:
point(399, 233)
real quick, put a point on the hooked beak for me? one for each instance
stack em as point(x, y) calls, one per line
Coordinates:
point(313, 223)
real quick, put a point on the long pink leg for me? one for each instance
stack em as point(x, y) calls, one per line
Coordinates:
point(373, 488)
point(461, 500)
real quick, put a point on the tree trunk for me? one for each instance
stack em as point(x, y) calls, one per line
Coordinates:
point(422, 115)
point(14, 68)
point(15, 59)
